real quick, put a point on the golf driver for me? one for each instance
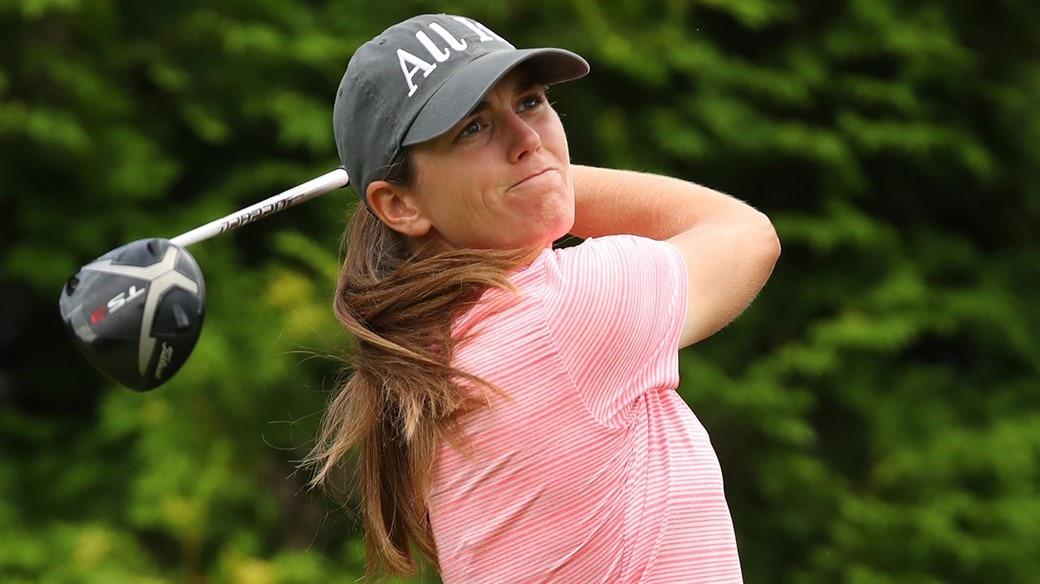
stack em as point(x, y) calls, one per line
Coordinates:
point(136, 312)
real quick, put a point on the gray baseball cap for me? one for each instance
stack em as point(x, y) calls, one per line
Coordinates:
point(419, 78)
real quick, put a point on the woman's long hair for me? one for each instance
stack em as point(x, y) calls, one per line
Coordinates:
point(403, 396)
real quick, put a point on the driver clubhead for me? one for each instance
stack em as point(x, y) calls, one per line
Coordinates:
point(136, 312)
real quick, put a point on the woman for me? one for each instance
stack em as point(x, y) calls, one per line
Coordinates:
point(512, 405)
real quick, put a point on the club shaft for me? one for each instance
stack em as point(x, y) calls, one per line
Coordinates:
point(317, 186)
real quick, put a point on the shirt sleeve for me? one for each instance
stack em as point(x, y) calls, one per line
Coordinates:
point(616, 312)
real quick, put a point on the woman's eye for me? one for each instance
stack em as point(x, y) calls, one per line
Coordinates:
point(471, 128)
point(532, 101)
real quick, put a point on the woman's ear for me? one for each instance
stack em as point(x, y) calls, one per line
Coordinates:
point(395, 206)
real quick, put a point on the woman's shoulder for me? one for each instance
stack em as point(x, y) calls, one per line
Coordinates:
point(610, 249)
point(562, 267)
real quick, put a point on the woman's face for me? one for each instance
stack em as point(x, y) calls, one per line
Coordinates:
point(500, 179)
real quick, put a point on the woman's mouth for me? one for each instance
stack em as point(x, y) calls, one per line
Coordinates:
point(532, 178)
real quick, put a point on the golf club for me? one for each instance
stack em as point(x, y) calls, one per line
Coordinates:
point(136, 312)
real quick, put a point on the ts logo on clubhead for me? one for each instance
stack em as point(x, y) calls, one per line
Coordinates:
point(136, 312)
point(120, 300)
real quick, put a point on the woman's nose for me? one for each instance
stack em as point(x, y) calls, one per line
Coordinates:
point(524, 139)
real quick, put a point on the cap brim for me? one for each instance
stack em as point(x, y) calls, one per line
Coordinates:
point(456, 98)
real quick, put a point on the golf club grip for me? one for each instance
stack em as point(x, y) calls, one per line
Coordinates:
point(329, 181)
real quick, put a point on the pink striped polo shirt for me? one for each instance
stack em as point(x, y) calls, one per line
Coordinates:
point(593, 469)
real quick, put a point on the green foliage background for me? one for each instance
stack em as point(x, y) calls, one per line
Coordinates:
point(876, 411)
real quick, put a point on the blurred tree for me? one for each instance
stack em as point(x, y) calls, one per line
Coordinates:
point(876, 410)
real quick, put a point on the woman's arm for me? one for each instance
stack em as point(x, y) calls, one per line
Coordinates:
point(729, 247)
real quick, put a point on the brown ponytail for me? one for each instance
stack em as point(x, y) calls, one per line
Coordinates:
point(403, 396)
